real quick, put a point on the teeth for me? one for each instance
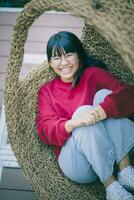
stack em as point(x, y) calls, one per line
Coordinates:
point(66, 70)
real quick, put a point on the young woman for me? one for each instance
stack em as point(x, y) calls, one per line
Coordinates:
point(84, 113)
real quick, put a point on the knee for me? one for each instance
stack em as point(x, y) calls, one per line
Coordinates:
point(100, 96)
point(80, 109)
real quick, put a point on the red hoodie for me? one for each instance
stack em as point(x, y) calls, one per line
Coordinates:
point(57, 103)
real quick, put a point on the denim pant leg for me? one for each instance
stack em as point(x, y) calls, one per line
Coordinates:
point(87, 152)
point(90, 150)
point(120, 131)
point(74, 164)
point(93, 143)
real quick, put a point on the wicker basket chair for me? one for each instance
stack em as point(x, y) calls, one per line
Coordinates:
point(109, 27)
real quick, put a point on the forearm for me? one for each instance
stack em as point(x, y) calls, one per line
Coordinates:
point(74, 123)
point(97, 114)
point(70, 125)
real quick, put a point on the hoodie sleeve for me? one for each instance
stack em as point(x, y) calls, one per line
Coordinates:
point(50, 128)
point(120, 103)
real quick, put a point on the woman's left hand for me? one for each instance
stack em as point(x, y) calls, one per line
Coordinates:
point(98, 113)
point(93, 115)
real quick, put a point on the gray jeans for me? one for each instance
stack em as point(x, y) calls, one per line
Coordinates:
point(91, 151)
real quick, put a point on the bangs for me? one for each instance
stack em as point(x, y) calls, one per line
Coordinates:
point(62, 46)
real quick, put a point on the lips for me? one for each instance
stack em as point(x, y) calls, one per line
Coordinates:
point(66, 70)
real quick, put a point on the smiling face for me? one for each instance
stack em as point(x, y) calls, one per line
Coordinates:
point(65, 55)
point(65, 64)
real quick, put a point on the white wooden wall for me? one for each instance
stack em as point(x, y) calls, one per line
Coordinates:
point(39, 33)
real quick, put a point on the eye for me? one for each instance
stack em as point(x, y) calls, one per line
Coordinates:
point(69, 54)
point(56, 58)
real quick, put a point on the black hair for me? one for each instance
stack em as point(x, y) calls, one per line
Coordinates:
point(71, 43)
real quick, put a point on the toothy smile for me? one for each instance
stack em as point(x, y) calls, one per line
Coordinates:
point(66, 70)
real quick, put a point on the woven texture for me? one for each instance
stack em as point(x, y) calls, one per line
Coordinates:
point(108, 30)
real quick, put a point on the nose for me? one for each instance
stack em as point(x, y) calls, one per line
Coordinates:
point(63, 60)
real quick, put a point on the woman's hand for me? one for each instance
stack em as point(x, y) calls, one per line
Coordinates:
point(86, 118)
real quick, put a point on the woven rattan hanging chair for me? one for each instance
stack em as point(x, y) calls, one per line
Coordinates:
point(109, 19)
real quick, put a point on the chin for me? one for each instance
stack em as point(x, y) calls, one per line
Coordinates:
point(67, 75)
point(67, 79)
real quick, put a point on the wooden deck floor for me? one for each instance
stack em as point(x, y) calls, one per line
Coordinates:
point(14, 186)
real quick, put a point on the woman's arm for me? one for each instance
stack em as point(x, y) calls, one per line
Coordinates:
point(54, 130)
point(87, 118)
point(120, 103)
point(50, 128)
